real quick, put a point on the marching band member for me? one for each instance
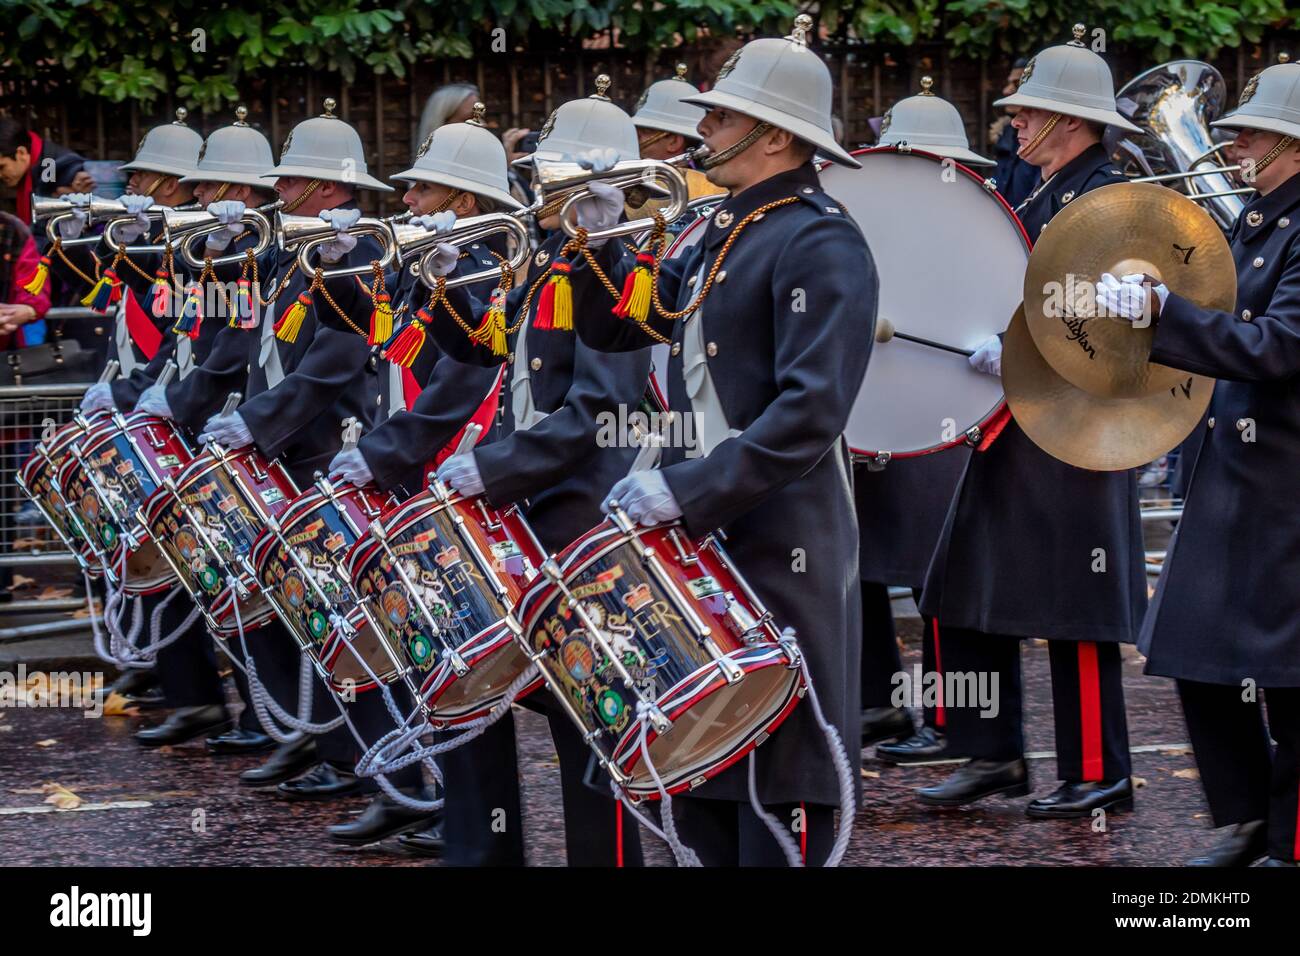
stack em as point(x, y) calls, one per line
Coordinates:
point(902, 503)
point(547, 455)
point(1223, 620)
point(777, 304)
point(666, 127)
point(1036, 548)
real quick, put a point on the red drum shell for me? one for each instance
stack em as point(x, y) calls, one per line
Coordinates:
point(315, 524)
point(428, 535)
point(39, 480)
point(233, 499)
point(648, 618)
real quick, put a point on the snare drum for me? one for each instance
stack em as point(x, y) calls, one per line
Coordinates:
point(441, 573)
point(207, 525)
point(299, 564)
point(39, 480)
point(628, 615)
point(114, 469)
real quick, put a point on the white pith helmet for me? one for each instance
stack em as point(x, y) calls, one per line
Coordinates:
point(325, 147)
point(1071, 80)
point(577, 126)
point(463, 156)
point(1270, 101)
point(781, 82)
point(172, 149)
point(234, 154)
point(931, 123)
point(661, 107)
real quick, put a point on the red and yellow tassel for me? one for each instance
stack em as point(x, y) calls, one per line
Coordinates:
point(555, 304)
point(191, 318)
point(243, 317)
point(36, 283)
point(103, 293)
point(381, 320)
point(635, 304)
point(289, 324)
point(403, 347)
point(492, 331)
point(160, 298)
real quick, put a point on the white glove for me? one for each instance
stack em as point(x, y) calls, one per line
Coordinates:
point(343, 242)
point(351, 466)
point(72, 228)
point(443, 221)
point(1126, 298)
point(99, 395)
point(461, 473)
point(228, 213)
point(136, 206)
point(646, 498)
point(600, 210)
point(153, 401)
point(228, 430)
point(598, 160)
point(988, 357)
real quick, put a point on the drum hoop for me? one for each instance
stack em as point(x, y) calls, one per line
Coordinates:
point(860, 454)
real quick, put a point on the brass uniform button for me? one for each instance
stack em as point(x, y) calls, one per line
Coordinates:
point(1241, 424)
point(712, 349)
point(1259, 261)
point(535, 364)
point(1283, 222)
point(1209, 422)
point(676, 349)
point(722, 276)
point(1245, 315)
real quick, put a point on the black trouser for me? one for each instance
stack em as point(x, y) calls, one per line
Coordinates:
point(371, 720)
point(187, 668)
point(484, 819)
point(1087, 701)
point(725, 833)
point(1244, 777)
point(880, 655)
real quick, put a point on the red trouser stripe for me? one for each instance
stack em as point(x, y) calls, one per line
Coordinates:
point(939, 719)
point(1090, 711)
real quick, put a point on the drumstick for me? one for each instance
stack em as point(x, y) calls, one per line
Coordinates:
point(469, 439)
point(647, 457)
point(110, 370)
point(167, 374)
point(885, 331)
point(232, 402)
point(351, 433)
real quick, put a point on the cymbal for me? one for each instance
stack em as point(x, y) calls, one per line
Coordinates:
point(1120, 229)
point(1089, 431)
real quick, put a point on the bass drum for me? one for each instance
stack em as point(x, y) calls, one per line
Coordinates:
point(950, 255)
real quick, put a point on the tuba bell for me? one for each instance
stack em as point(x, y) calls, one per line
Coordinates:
point(1174, 104)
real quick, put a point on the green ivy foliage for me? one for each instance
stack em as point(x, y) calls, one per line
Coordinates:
point(199, 49)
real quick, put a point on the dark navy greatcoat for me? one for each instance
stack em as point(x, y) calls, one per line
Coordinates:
point(1227, 606)
point(788, 336)
point(450, 392)
point(557, 466)
point(1027, 535)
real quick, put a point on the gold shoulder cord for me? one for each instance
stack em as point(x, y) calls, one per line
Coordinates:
point(57, 248)
point(507, 283)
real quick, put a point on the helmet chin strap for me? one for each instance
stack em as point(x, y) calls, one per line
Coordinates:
point(1282, 145)
point(293, 204)
point(1041, 135)
point(735, 149)
point(220, 194)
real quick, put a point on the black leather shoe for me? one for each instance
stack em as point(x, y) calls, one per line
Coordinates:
point(1274, 861)
point(1079, 798)
point(885, 723)
point(134, 681)
point(383, 818)
point(428, 842)
point(147, 699)
point(287, 762)
point(1242, 845)
point(322, 782)
point(926, 744)
point(977, 780)
point(237, 740)
point(184, 723)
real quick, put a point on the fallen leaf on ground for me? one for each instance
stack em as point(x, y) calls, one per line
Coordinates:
point(118, 706)
point(61, 796)
point(47, 742)
point(870, 774)
point(52, 593)
point(1139, 782)
point(22, 581)
point(1188, 773)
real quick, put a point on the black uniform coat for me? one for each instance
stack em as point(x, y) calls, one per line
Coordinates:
point(901, 511)
point(1026, 531)
point(556, 466)
point(781, 490)
point(451, 392)
point(1228, 603)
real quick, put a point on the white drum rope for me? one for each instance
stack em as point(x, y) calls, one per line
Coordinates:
point(685, 856)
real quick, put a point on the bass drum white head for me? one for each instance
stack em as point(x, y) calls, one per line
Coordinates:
point(950, 255)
